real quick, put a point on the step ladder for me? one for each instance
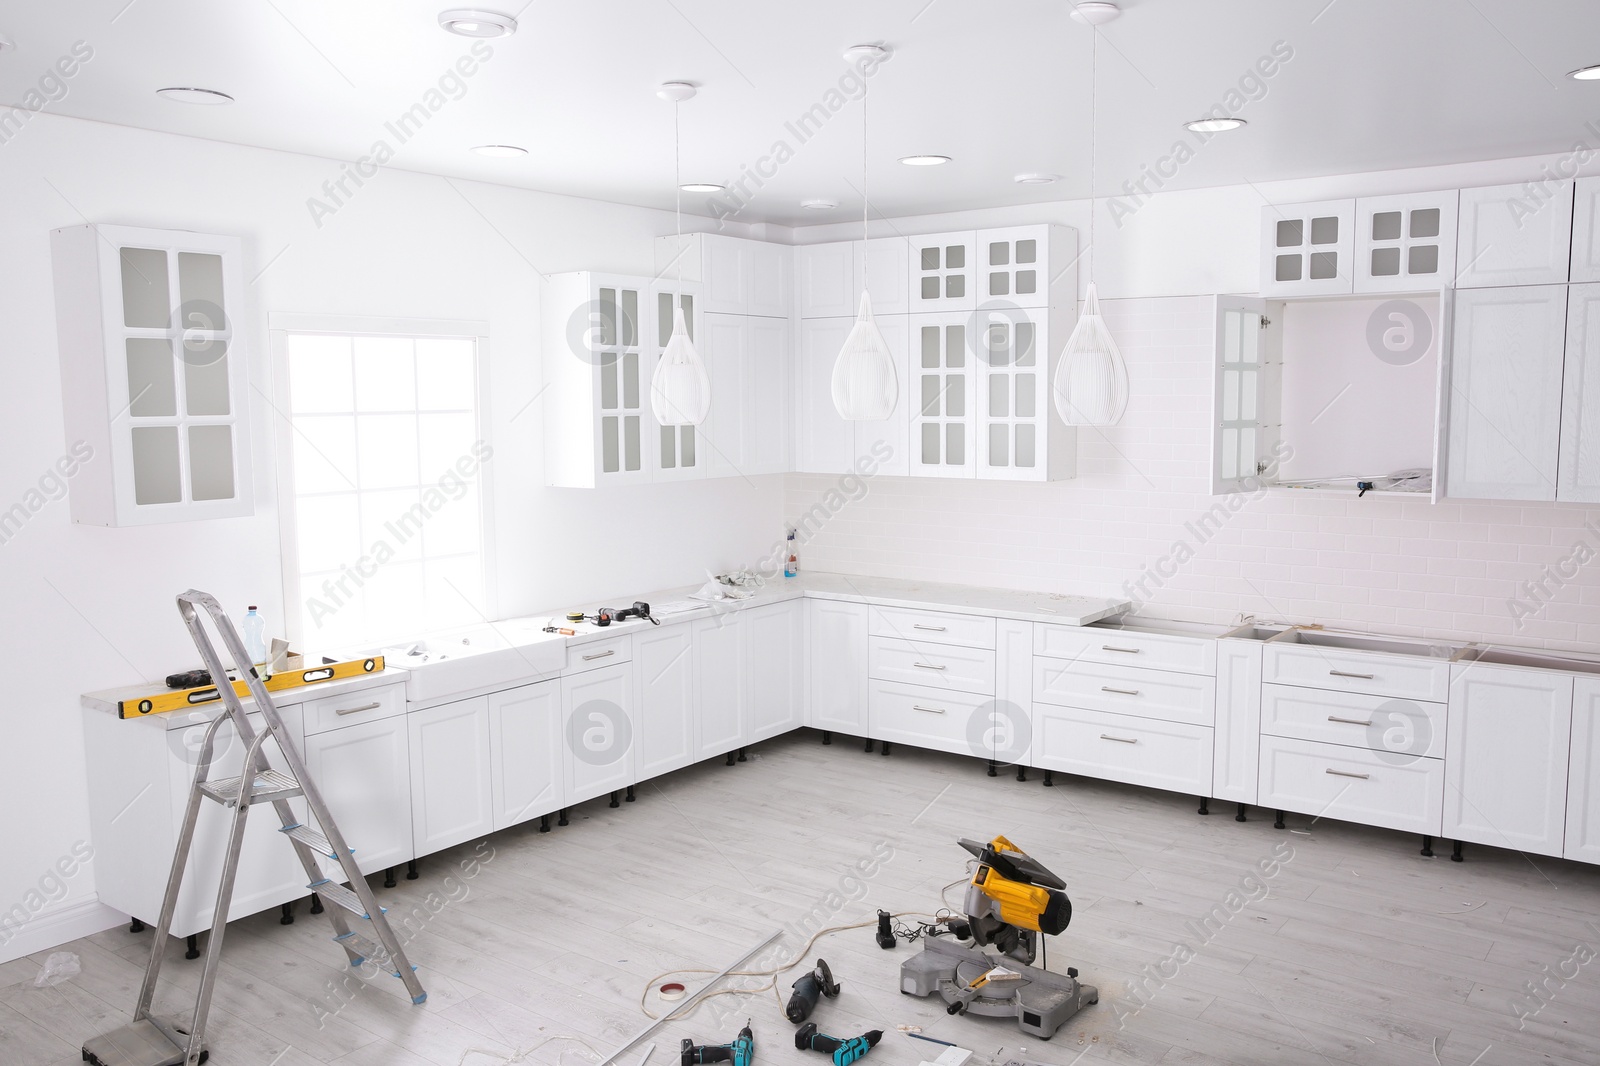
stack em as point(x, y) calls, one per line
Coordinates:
point(153, 1041)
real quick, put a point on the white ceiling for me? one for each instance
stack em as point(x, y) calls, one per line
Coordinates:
point(1003, 86)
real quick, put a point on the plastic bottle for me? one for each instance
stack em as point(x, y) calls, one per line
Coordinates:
point(251, 632)
point(791, 558)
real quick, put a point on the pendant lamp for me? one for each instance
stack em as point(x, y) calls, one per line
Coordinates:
point(865, 386)
point(680, 391)
point(1091, 385)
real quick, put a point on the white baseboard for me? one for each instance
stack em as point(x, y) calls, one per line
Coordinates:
point(61, 925)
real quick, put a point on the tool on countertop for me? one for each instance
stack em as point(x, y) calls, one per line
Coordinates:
point(604, 616)
point(811, 986)
point(296, 675)
point(741, 1051)
point(844, 1052)
point(565, 632)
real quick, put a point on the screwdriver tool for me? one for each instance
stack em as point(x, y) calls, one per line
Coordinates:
point(844, 1052)
point(741, 1052)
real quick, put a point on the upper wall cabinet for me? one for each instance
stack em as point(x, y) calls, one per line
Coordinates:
point(748, 429)
point(1586, 231)
point(1308, 249)
point(734, 276)
point(1405, 243)
point(825, 280)
point(1578, 479)
point(1507, 237)
point(153, 373)
point(942, 272)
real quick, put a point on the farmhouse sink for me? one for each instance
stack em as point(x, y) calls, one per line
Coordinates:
point(461, 661)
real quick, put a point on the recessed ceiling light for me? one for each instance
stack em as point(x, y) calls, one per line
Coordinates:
point(1214, 125)
point(179, 94)
point(1034, 179)
point(474, 22)
point(701, 186)
point(924, 160)
point(857, 52)
point(1586, 73)
point(819, 205)
point(1095, 12)
point(500, 151)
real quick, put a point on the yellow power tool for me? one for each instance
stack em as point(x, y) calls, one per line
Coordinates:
point(1011, 899)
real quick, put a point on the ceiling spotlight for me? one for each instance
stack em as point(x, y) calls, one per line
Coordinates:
point(472, 22)
point(1034, 179)
point(1586, 73)
point(1095, 12)
point(185, 95)
point(500, 151)
point(858, 52)
point(819, 205)
point(924, 160)
point(1214, 125)
point(676, 92)
point(701, 186)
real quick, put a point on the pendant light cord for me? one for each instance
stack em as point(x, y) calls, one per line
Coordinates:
point(677, 186)
point(1094, 94)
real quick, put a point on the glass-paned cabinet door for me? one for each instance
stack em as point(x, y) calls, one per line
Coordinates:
point(1245, 402)
point(678, 449)
point(941, 390)
point(1013, 267)
point(621, 388)
point(1013, 400)
point(1406, 243)
point(1308, 249)
point(943, 269)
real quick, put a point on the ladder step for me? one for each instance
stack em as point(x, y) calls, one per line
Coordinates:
point(312, 839)
point(341, 896)
point(364, 949)
point(268, 785)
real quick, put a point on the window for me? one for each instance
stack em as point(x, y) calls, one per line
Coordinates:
point(384, 515)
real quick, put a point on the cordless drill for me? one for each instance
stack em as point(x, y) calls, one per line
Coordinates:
point(812, 986)
point(741, 1052)
point(844, 1052)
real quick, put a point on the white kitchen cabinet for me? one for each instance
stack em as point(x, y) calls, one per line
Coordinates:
point(1583, 774)
point(836, 666)
point(1018, 266)
point(719, 663)
point(1578, 471)
point(942, 270)
point(1351, 785)
point(1504, 399)
point(824, 442)
point(748, 431)
point(525, 743)
point(1586, 231)
point(1406, 243)
point(1116, 747)
point(1246, 402)
point(597, 413)
point(1308, 249)
point(942, 392)
point(1017, 434)
point(1507, 237)
point(1506, 757)
point(664, 695)
point(883, 267)
point(773, 643)
point(452, 798)
point(599, 730)
point(154, 374)
point(736, 276)
point(923, 717)
point(826, 285)
point(364, 772)
point(1235, 763)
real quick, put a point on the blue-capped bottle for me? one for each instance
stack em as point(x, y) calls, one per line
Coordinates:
point(791, 557)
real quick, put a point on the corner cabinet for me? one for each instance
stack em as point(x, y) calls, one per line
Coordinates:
point(154, 374)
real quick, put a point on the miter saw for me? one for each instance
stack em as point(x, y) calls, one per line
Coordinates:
point(1010, 901)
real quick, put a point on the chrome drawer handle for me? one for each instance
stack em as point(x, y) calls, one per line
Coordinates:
point(1120, 691)
point(931, 629)
point(363, 707)
point(1359, 677)
point(1346, 773)
point(600, 654)
point(1125, 651)
point(929, 666)
point(930, 710)
point(1349, 721)
point(1119, 740)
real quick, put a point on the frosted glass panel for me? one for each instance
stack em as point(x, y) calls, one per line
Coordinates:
point(146, 300)
point(608, 317)
point(999, 253)
point(630, 380)
point(955, 396)
point(955, 444)
point(930, 395)
point(663, 318)
point(630, 318)
point(1025, 457)
point(445, 379)
point(1230, 453)
point(156, 476)
point(1230, 336)
point(955, 286)
point(320, 375)
point(930, 288)
point(1230, 395)
point(387, 450)
point(630, 442)
point(998, 400)
point(211, 462)
point(930, 444)
point(386, 374)
point(955, 346)
point(1023, 338)
point(669, 448)
point(1247, 396)
point(151, 390)
point(200, 291)
point(686, 445)
point(997, 339)
point(1425, 222)
point(324, 455)
point(608, 381)
point(1250, 341)
point(1027, 282)
point(930, 259)
point(687, 303)
point(930, 346)
point(955, 257)
point(1422, 259)
point(205, 378)
point(1026, 388)
point(1027, 251)
point(610, 445)
point(999, 445)
point(1000, 284)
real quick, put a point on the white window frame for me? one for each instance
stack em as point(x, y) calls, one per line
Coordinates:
point(279, 325)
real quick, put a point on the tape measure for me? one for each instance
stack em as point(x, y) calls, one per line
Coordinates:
point(177, 700)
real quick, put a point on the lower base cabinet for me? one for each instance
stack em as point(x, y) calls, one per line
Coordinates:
point(719, 655)
point(928, 718)
point(452, 798)
point(664, 684)
point(772, 643)
point(1175, 756)
point(364, 773)
point(527, 776)
point(598, 729)
point(1583, 773)
point(1351, 784)
point(836, 670)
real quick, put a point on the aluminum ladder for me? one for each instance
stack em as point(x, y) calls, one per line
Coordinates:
point(153, 1041)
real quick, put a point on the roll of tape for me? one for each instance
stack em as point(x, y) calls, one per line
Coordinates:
point(672, 992)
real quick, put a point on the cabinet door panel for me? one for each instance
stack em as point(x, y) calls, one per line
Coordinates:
point(1505, 393)
point(942, 396)
point(598, 727)
point(1586, 231)
point(719, 684)
point(885, 271)
point(664, 669)
point(1406, 243)
point(1139, 751)
point(768, 400)
point(943, 271)
point(725, 347)
point(1351, 784)
point(882, 444)
point(525, 738)
point(825, 280)
point(1238, 733)
point(1583, 776)
point(1011, 361)
point(1308, 249)
point(451, 793)
point(767, 284)
point(1506, 237)
point(772, 668)
point(836, 689)
point(1578, 478)
point(825, 442)
point(364, 772)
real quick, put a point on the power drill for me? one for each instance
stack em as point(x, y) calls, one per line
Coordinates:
point(844, 1052)
point(741, 1052)
point(819, 982)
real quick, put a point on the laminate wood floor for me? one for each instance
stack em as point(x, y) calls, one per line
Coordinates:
point(1354, 949)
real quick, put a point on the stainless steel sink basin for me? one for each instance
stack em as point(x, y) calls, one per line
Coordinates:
point(1357, 642)
point(1538, 660)
point(1251, 631)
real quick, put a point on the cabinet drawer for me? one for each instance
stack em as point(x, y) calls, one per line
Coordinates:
point(1117, 747)
point(924, 717)
point(594, 654)
point(969, 630)
point(331, 712)
point(1117, 647)
point(1352, 784)
point(1162, 694)
point(1380, 723)
point(942, 667)
point(1375, 674)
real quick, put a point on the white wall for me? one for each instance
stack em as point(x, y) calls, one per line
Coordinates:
point(89, 608)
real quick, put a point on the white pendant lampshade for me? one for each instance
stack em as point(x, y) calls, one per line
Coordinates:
point(865, 388)
point(680, 391)
point(1091, 386)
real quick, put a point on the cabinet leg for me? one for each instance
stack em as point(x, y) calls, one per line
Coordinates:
point(730, 759)
point(1278, 824)
point(614, 802)
point(629, 796)
point(1022, 772)
point(411, 870)
point(1049, 779)
point(563, 819)
point(544, 823)
point(741, 755)
point(993, 770)
point(827, 736)
point(1455, 855)
point(1427, 847)
point(136, 926)
point(885, 749)
point(287, 917)
point(1205, 805)
point(316, 904)
point(388, 877)
point(193, 943)
point(868, 748)
point(1239, 817)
